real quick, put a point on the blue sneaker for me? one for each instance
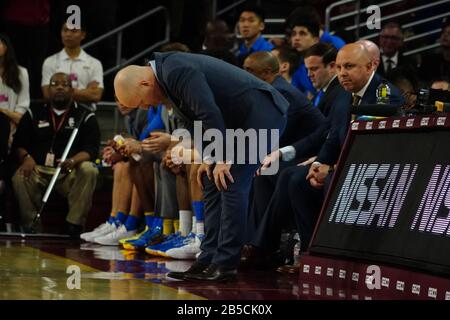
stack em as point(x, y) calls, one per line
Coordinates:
point(150, 237)
point(188, 251)
point(175, 243)
point(172, 238)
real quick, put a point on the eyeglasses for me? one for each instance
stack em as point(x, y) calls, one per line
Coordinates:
point(57, 83)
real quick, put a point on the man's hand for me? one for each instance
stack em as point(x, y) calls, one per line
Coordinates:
point(130, 146)
point(107, 154)
point(27, 166)
point(221, 173)
point(204, 168)
point(68, 165)
point(317, 175)
point(167, 161)
point(157, 142)
point(307, 162)
point(268, 161)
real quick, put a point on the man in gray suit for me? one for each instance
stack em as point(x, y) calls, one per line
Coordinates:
point(223, 97)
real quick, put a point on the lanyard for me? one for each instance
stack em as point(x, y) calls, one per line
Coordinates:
point(56, 129)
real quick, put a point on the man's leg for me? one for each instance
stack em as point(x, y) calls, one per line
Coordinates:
point(122, 188)
point(263, 190)
point(79, 187)
point(306, 202)
point(268, 233)
point(213, 207)
point(233, 216)
point(142, 176)
point(29, 192)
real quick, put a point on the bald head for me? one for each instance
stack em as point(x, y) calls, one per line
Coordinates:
point(374, 51)
point(263, 65)
point(354, 67)
point(137, 87)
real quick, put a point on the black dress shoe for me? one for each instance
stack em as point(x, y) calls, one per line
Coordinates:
point(196, 268)
point(215, 274)
point(73, 230)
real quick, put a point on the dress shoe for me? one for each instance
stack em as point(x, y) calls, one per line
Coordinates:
point(255, 258)
point(214, 273)
point(73, 230)
point(251, 257)
point(196, 268)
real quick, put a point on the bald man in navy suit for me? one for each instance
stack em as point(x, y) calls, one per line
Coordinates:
point(223, 97)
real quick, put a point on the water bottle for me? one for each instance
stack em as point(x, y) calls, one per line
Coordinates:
point(383, 93)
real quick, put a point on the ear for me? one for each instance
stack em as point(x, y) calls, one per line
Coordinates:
point(145, 83)
point(261, 26)
point(331, 65)
point(285, 66)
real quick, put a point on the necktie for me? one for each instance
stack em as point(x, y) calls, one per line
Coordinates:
point(389, 64)
point(355, 101)
point(317, 98)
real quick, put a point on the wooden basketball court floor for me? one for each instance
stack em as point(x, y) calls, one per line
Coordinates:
point(38, 270)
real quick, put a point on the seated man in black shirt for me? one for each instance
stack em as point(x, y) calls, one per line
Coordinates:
point(39, 142)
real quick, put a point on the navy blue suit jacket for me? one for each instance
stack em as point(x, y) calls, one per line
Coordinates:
point(302, 117)
point(311, 144)
point(340, 120)
point(211, 90)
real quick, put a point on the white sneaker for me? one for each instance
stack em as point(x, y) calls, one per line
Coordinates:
point(101, 230)
point(112, 239)
point(177, 265)
point(188, 251)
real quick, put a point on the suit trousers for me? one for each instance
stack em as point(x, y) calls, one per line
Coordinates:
point(226, 211)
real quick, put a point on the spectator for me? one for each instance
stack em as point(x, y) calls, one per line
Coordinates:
point(4, 136)
point(437, 65)
point(39, 142)
point(85, 72)
point(304, 33)
point(218, 36)
point(391, 44)
point(251, 25)
point(310, 13)
point(304, 29)
point(27, 25)
point(14, 92)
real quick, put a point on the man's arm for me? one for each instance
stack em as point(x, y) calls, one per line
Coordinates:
point(92, 93)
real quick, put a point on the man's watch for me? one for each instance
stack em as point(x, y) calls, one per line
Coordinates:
point(330, 169)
